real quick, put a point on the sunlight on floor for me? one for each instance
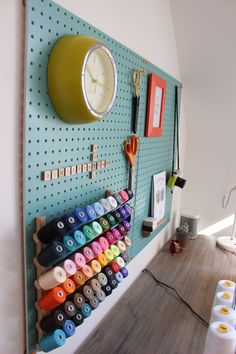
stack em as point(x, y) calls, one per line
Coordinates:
point(220, 225)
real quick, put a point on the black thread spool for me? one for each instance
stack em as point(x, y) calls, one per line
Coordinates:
point(108, 272)
point(78, 318)
point(129, 192)
point(113, 283)
point(55, 320)
point(180, 182)
point(51, 254)
point(107, 289)
point(117, 215)
point(54, 229)
point(68, 308)
point(70, 221)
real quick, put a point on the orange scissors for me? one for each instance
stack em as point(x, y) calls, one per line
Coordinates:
point(130, 150)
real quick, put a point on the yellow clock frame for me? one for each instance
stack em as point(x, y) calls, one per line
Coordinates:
point(66, 79)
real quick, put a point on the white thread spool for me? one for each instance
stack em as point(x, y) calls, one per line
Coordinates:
point(113, 203)
point(223, 298)
point(221, 339)
point(52, 278)
point(223, 313)
point(225, 285)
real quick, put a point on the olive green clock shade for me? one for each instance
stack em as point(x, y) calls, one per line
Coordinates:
point(82, 79)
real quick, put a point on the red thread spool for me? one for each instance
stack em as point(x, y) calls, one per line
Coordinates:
point(115, 267)
point(52, 299)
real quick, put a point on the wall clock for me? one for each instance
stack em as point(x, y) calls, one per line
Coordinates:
point(82, 79)
point(155, 106)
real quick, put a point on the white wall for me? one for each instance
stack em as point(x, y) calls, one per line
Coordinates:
point(144, 27)
point(205, 36)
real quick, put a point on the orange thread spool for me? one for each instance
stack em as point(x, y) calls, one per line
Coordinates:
point(96, 266)
point(68, 286)
point(102, 259)
point(52, 299)
point(78, 279)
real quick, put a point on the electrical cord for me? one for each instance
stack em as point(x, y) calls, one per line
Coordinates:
point(179, 297)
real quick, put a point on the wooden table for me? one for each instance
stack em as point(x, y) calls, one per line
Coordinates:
point(149, 319)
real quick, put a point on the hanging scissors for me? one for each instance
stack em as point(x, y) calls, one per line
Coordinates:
point(130, 150)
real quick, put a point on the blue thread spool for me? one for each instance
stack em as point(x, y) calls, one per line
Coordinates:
point(80, 237)
point(70, 221)
point(128, 209)
point(52, 340)
point(69, 243)
point(52, 254)
point(86, 310)
point(119, 277)
point(99, 209)
point(91, 212)
point(124, 272)
point(69, 328)
point(123, 212)
point(54, 229)
point(113, 283)
point(80, 215)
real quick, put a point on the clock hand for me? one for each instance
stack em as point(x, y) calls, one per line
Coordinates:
point(101, 84)
point(90, 74)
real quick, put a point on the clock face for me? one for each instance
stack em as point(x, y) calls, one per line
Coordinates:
point(99, 80)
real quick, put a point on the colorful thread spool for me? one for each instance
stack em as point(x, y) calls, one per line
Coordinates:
point(86, 310)
point(121, 246)
point(96, 247)
point(122, 230)
point(87, 271)
point(117, 215)
point(129, 192)
point(108, 273)
point(90, 212)
point(104, 224)
point(96, 228)
point(79, 260)
point(110, 237)
point(119, 277)
point(95, 285)
point(88, 292)
point(113, 283)
point(108, 253)
point(89, 232)
point(125, 256)
point(105, 204)
point(124, 272)
point(78, 300)
point(52, 340)
point(102, 259)
point(77, 318)
point(79, 279)
point(54, 320)
point(69, 266)
point(80, 238)
point(127, 225)
point(128, 209)
point(120, 262)
point(52, 278)
point(118, 198)
point(127, 241)
point(110, 218)
point(104, 243)
point(68, 308)
point(107, 289)
point(113, 203)
point(70, 221)
point(69, 328)
point(80, 215)
point(124, 196)
point(100, 295)
point(51, 254)
point(68, 286)
point(115, 250)
point(52, 299)
point(88, 253)
point(69, 244)
point(116, 234)
point(123, 212)
point(102, 278)
point(54, 229)
point(96, 266)
point(115, 267)
point(94, 303)
point(99, 209)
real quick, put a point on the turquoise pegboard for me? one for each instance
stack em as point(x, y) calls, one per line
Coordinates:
point(50, 143)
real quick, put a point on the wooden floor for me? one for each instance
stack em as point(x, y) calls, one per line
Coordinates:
point(149, 319)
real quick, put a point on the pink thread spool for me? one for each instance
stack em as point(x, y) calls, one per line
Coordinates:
point(69, 266)
point(96, 247)
point(88, 253)
point(79, 260)
point(104, 243)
